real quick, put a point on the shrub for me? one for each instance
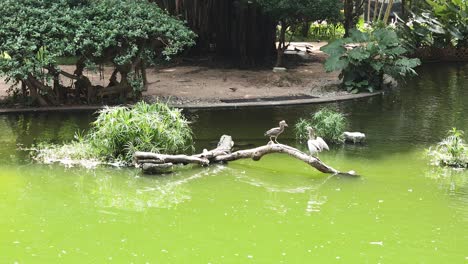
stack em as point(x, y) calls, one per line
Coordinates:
point(291, 14)
point(374, 54)
point(125, 34)
point(452, 151)
point(120, 131)
point(327, 123)
point(442, 24)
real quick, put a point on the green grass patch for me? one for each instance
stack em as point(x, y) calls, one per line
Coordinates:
point(451, 151)
point(120, 131)
point(328, 124)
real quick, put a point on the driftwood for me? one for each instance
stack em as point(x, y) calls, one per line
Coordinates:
point(160, 163)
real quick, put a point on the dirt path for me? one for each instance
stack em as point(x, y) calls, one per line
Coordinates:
point(191, 84)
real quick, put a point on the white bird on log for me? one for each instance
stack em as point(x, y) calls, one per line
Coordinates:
point(315, 144)
point(275, 132)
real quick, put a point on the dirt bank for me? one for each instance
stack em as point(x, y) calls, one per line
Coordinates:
point(198, 82)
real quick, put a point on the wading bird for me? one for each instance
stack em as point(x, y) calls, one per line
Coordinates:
point(315, 144)
point(275, 132)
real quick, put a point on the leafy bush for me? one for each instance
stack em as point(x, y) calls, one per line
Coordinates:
point(127, 34)
point(120, 131)
point(327, 123)
point(452, 151)
point(440, 24)
point(374, 54)
point(291, 14)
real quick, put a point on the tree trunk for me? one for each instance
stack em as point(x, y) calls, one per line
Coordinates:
point(24, 91)
point(376, 9)
point(403, 8)
point(281, 44)
point(305, 29)
point(381, 10)
point(353, 9)
point(368, 10)
point(348, 19)
point(233, 29)
point(388, 11)
point(143, 75)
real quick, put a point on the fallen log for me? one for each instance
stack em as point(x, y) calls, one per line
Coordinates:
point(159, 163)
point(174, 159)
point(257, 153)
point(157, 168)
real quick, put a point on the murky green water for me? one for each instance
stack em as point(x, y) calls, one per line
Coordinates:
point(277, 210)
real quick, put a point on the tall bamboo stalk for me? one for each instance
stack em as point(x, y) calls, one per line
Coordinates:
point(387, 12)
point(368, 10)
point(376, 8)
point(381, 10)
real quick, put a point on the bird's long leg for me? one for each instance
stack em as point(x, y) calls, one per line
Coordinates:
point(276, 140)
point(271, 140)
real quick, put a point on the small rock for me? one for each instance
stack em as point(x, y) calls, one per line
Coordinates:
point(354, 137)
point(279, 69)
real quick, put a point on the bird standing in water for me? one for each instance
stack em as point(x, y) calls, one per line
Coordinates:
point(315, 144)
point(275, 132)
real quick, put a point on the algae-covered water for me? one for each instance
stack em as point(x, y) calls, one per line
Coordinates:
point(277, 210)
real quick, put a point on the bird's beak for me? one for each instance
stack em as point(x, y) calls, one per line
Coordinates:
point(286, 125)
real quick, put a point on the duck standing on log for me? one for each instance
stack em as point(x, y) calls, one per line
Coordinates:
point(315, 144)
point(275, 132)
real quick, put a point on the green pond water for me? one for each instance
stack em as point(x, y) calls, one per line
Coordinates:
point(277, 210)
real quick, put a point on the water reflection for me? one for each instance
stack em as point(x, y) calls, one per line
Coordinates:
point(139, 194)
point(454, 181)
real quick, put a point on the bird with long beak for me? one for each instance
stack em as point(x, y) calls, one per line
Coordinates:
point(275, 132)
point(315, 144)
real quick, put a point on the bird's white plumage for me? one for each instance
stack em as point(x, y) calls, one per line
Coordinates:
point(313, 149)
point(315, 144)
point(322, 143)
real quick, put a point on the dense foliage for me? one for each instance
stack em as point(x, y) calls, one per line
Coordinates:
point(452, 151)
point(125, 34)
point(290, 14)
point(328, 124)
point(353, 9)
point(120, 131)
point(442, 24)
point(365, 57)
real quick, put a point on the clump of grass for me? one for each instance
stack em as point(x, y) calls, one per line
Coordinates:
point(120, 131)
point(328, 124)
point(451, 151)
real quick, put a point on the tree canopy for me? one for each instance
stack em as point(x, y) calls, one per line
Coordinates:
point(297, 10)
point(127, 34)
point(291, 13)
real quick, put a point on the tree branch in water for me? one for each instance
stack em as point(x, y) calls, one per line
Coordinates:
point(158, 163)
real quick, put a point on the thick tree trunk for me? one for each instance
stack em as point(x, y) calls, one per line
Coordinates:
point(353, 9)
point(234, 29)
